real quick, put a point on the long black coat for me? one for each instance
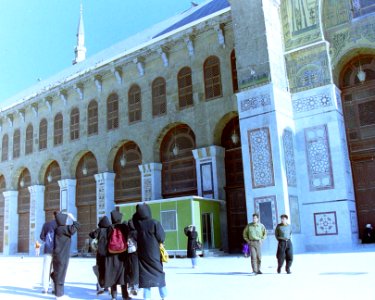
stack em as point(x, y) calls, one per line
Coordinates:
point(149, 234)
point(101, 234)
point(132, 266)
point(61, 251)
point(115, 263)
point(191, 243)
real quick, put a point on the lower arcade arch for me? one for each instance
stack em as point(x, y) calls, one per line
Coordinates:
point(23, 210)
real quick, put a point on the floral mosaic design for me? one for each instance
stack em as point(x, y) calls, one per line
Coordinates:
point(325, 223)
point(311, 103)
point(318, 158)
point(261, 158)
point(290, 166)
point(255, 102)
point(266, 207)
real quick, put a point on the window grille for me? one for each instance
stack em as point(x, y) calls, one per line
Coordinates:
point(185, 88)
point(134, 104)
point(74, 124)
point(16, 143)
point(29, 139)
point(58, 130)
point(112, 112)
point(92, 118)
point(212, 78)
point(5, 147)
point(43, 134)
point(159, 98)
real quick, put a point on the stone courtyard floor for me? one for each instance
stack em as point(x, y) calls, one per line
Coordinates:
point(341, 275)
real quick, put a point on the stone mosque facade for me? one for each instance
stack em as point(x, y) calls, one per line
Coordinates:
point(265, 105)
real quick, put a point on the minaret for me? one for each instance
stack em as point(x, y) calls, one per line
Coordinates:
point(80, 49)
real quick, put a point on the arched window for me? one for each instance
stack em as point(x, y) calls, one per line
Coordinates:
point(212, 78)
point(58, 130)
point(16, 143)
point(159, 99)
point(134, 104)
point(74, 124)
point(185, 88)
point(29, 139)
point(178, 163)
point(4, 148)
point(112, 111)
point(43, 134)
point(234, 71)
point(92, 118)
point(128, 176)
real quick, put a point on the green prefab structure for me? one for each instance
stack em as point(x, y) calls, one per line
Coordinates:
point(176, 213)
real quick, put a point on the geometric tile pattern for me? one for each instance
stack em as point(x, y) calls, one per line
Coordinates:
point(290, 166)
point(261, 158)
point(310, 103)
point(266, 207)
point(325, 223)
point(318, 158)
point(255, 102)
point(354, 221)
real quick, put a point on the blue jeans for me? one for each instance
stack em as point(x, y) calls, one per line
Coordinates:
point(194, 261)
point(162, 292)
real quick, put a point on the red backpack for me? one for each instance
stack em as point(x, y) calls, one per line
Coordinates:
point(117, 242)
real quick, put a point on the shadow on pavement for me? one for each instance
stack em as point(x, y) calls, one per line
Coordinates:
point(344, 273)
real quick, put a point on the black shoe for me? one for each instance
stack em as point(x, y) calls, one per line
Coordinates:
point(259, 272)
point(288, 271)
point(279, 270)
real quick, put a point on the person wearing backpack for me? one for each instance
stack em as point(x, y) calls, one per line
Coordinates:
point(150, 234)
point(47, 236)
point(61, 251)
point(100, 234)
point(116, 256)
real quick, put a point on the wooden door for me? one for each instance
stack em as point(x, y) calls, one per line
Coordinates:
point(364, 183)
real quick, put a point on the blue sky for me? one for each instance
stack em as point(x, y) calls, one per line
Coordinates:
point(37, 37)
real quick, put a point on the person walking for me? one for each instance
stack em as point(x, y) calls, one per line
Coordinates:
point(191, 244)
point(100, 234)
point(254, 234)
point(61, 251)
point(115, 262)
point(150, 234)
point(47, 236)
point(283, 234)
point(132, 268)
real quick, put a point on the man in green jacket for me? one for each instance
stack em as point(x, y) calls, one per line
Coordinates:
point(283, 233)
point(254, 234)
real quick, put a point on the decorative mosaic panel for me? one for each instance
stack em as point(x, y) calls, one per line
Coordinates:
point(311, 103)
point(308, 68)
point(325, 223)
point(290, 166)
point(294, 214)
point(353, 221)
point(261, 158)
point(318, 158)
point(255, 102)
point(300, 22)
point(147, 185)
point(266, 207)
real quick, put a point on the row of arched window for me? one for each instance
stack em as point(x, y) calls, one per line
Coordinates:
point(212, 85)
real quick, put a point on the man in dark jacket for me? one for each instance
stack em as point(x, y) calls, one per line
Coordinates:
point(283, 234)
point(192, 235)
point(47, 236)
point(150, 234)
point(61, 252)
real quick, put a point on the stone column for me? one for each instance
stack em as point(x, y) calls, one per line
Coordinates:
point(10, 222)
point(37, 214)
point(209, 162)
point(105, 194)
point(68, 202)
point(151, 181)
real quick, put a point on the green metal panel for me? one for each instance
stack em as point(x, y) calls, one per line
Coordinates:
point(212, 207)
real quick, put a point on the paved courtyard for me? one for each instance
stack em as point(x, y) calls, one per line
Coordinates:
point(330, 276)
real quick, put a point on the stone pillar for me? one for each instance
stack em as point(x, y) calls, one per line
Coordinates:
point(105, 194)
point(209, 162)
point(264, 106)
point(151, 181)
point(37, 214)
point(68, 202)
point(10, 222)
